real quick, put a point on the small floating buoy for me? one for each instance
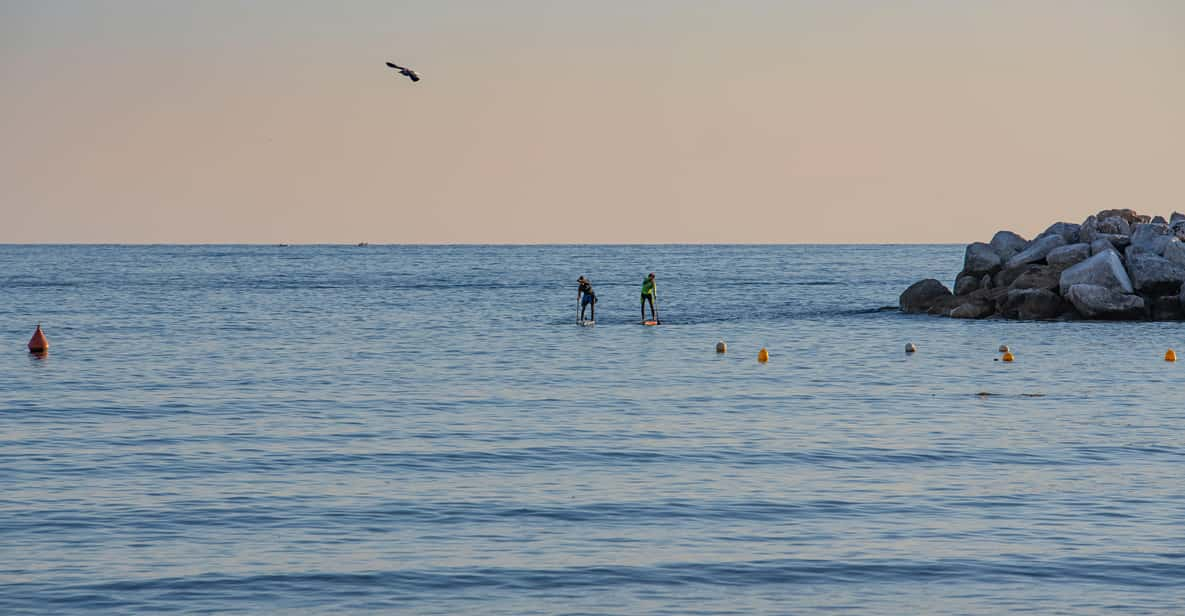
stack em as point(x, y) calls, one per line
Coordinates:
point(910, 347)
point(721, 347)
point(1007, 356)
point(1170, 355)
point(38, 343)
point(763, 355)
point(1003, 348)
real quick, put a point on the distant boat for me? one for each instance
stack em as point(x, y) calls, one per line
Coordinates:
point(364, 243)
point(282, 245)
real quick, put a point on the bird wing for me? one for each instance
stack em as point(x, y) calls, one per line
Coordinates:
point(395, 66)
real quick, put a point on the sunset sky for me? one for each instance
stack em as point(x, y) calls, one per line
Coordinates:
point(586, 122)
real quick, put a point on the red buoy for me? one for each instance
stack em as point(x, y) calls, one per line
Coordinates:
point(38, 343)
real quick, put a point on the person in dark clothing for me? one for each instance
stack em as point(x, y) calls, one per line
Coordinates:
point(586, 297)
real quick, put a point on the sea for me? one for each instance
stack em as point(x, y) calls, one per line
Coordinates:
point(339, 429)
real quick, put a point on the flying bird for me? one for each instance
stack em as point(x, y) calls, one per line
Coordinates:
point(406, 72)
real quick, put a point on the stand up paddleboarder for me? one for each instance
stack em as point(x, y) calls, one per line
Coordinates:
point(586, 298)
point(649, 294)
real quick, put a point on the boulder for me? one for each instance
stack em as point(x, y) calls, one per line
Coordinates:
point(1068, 255)
point(980, 258)
point(986, 282)
point(990, 295)
point(1153, 275)
point(1101, 245)
point(1033, 305)
point(1068, 230)
point(976, 309)
point(1097, 302)
point(1104, 269)
point(1166, 308)
point(1176, 217)
point(966, 284)
point(1038, 277)
point(1150, 238)
point(1114, 225)
point(1088, 230)
point(943, 306)
point(1118, 242)
point(1037, 250)
point(1175, 251)
point(1005, 277)
point(1159, 220)
point(1128, 215)
point(922, 295)
point(1006, 244)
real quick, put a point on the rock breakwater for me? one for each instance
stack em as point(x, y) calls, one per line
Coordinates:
point(1116, 264)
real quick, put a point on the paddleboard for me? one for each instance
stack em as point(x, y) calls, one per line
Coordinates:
point(588, 322)
point(649, 322)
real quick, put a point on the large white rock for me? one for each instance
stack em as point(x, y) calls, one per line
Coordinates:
point(1068, 255)
point(1037, 250)
point(1104, 270)
point(1096, 302)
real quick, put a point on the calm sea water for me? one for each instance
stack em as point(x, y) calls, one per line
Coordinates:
point(333, 429)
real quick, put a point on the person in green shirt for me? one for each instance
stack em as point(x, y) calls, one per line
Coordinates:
point(649, 293)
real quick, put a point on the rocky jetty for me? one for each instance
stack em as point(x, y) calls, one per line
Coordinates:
point(1116, 264)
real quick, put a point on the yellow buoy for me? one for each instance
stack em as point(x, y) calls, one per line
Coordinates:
point(763, 355)
point(721, 347)
point(1170, 355)
point(1004, 348)
point(910, 347)
point(1007, 356)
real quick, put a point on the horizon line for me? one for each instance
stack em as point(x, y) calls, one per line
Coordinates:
point(445, 244)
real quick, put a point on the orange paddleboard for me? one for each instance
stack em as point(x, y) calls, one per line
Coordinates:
point(649, 322)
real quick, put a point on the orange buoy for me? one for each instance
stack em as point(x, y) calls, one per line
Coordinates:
point(763, 355)
point(1170, 355)
point(1007, 356)
point(38, 343)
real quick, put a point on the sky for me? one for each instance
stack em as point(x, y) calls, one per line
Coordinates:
point(660, 121)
